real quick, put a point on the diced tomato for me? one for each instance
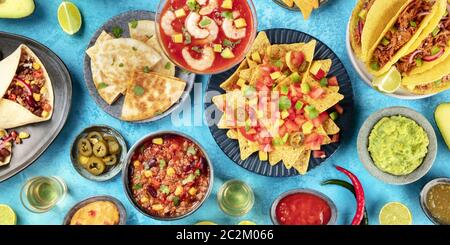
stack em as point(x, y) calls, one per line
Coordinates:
point(246, 135)
point(294, 99)
point(316, 93)
point(319, 154)
point(297, 59)
point(291, 126)
point(335, 138)
point(339, 109)
point(300, 120)
point(267, 148)
point(320, 119)
point(313, 141)
point(282, 130)
point(291, 116)
point(320, 74)
point(332, 81)
point(260, 86)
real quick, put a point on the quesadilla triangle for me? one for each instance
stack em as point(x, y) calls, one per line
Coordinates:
point(368, 21)
point(5, 148)
point(150, 94)
point(430, 82)
point(25, 88)
point(402, 32)
point(431, 50)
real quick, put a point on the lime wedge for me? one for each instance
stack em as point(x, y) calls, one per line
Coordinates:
point(389, 82)
point(69, 17)
point(7, 215)
point(206, 223)
point(395, 213)
point(246, 222)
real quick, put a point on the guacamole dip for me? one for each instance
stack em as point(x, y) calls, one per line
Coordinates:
point(398, 145)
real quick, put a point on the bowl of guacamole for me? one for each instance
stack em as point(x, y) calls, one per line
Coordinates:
point(397, 145)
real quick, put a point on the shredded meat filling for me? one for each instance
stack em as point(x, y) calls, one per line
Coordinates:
point(403, 30)
point(357, 36)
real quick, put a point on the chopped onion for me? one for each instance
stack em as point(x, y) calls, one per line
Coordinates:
point(423, 13)
point(434, 57)
point(411, 57)
point(26, 85)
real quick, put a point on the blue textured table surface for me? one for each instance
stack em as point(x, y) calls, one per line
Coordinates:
point(328, 24)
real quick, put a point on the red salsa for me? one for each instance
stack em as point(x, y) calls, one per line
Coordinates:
point(169, 176)
point(303, 209)
point(206, 35)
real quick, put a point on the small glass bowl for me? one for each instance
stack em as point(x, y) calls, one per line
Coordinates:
point(423, 197)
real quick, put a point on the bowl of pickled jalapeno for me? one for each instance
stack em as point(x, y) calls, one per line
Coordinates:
point(98, 153)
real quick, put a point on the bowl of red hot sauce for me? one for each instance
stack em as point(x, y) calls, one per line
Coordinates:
point(303, 207)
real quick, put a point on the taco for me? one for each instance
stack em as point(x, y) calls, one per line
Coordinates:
point(432, 50)
point(25, 88)
point(403, 32)
point(368, 21)
point(430, 82)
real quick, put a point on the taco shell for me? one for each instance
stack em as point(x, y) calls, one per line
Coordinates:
point(20, 115)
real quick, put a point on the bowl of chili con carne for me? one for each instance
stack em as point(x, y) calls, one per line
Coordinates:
point(167, 175)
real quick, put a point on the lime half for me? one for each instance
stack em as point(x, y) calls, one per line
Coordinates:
point(389, 82)
point(69, 17)
point(247, 222)
point(7, 215)
point(395, 213)
point(206, 223)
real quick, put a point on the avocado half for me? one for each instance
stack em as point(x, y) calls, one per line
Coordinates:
point(15, 9)
point(442, 117)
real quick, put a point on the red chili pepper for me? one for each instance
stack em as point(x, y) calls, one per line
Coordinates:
point(360, 202)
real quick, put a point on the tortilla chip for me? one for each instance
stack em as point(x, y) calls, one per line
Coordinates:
point(149, 94)
point(330, 127)
point(259, 45)
point(302, 162)
point(324, 103)
point(232, 134)
point(321, 131)
point(246, 74)
point(164, 66)
point(231, 81)
point(143, 31)
point(246, 147)
point(289, 3)
point(305, 7)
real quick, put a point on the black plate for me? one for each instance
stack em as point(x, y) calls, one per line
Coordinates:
point(115, 109)
point(42, 134)
point(231, 147)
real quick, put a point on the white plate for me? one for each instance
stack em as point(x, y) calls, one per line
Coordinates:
point(360, 68)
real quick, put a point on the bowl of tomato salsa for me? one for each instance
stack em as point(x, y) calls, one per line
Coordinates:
point(168, 175)
point(206, 36)
point(303, 207)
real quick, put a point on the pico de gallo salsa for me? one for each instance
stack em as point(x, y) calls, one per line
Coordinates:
point(28, 87)
point(169, 176)
point(206, 36)
point(303, 208)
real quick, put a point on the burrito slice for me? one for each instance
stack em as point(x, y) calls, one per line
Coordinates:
point(434, 49)
point(367, 23)
point(5, 147)
point(402, 33)
point(150, 94)
point(26, 90)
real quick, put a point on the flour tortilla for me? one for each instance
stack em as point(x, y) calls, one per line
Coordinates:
point(149, 94)
point(144, 30)
point(164, 66)
point(116, 60)
point(19, 115)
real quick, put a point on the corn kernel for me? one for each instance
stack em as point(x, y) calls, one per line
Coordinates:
point(192, 191)
point(24, 135)
point(43, 90)
point(178, 190)
point(19, 84)
point(170, 171)
point(45, 114)
point(136, 163)
point(148, 173)
point(36, 66)
point(37, 97)
point(144, 199)
point(157, 141)
point(157, 207)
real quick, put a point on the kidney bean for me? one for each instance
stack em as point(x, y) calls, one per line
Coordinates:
point(152, 191)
